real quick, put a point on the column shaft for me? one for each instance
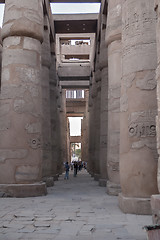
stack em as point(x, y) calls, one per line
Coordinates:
point(138, 155)
point(21, 99)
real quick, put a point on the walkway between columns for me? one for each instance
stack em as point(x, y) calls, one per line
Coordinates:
point(74, 209)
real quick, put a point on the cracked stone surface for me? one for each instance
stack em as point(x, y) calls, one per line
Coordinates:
point(74, 209)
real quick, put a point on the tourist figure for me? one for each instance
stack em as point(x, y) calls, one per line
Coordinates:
point(75, 168)
point(67, 170)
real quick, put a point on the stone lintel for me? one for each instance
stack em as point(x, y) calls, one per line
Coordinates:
point(113, 189)
point(74, 84)
point(132, 205)
point(23, 190)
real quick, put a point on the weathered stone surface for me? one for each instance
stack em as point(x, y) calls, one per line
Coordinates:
point(16, 56)
point(112, 188)
point(12, 154)
point(28, 75)
point(26, 173)
point(139, 206)
point(4, 109)
point(114, 20)
point(23, 18)
point(33, 127)
point(21, 98)
point(138, 163)
point(23, 190)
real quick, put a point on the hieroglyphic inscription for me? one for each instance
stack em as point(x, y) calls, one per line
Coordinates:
point(142, 124)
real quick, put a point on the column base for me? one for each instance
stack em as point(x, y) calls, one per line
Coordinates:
point(139, 206)
point(56, 177)
point(113, 189)
point(102, 182)
point(49, 181)
point(96, 177)
point(155, 206)
point(23, 190)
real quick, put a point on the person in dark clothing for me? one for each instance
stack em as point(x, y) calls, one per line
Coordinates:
point(67, 170)
point(75, 168)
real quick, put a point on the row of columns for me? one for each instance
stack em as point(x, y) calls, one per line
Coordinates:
point(127, 147)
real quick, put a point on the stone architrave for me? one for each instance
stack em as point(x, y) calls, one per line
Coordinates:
point(138, 154)
point(46, 122)
point(21, 100)
point(113, 41)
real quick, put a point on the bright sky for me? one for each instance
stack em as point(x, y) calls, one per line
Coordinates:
point(75, 126)
point(75, 7)
point(67, 8)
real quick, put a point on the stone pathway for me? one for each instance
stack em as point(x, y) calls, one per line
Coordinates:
point(74, 209)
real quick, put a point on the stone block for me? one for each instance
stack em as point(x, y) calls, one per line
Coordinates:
point(155, 206)
point(23, 190)
point(18, 56)
point(113, 189)
point(49, 181)
point(133, 205)
point(32, 44)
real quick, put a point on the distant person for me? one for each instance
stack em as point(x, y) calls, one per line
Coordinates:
point(67, 170)
point(75, 168)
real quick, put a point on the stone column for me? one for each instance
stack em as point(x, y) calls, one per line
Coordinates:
point(155, 199)
point(84, 131)
point(63, 124)
point(103, 63)
point(55, 134)
point(138, 155)
point(46, 117)
point(113, 41)
point(0, 55)
point(92, 95)
point(96, 121)
point(21, 100)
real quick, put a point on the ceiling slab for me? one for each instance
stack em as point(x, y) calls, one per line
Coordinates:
point(75, 23)
point(75, 1)
point(68, 1)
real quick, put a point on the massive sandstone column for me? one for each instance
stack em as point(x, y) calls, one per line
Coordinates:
point(92, 167)
point(63, 124)
point(103, 63)
point(46, 117)
point(84, 131)
point(90, 164)
point(155, 200)
point(138, 155)
point(21, 100)
point(0, 54)
point(113, 41)
point(55, 124)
